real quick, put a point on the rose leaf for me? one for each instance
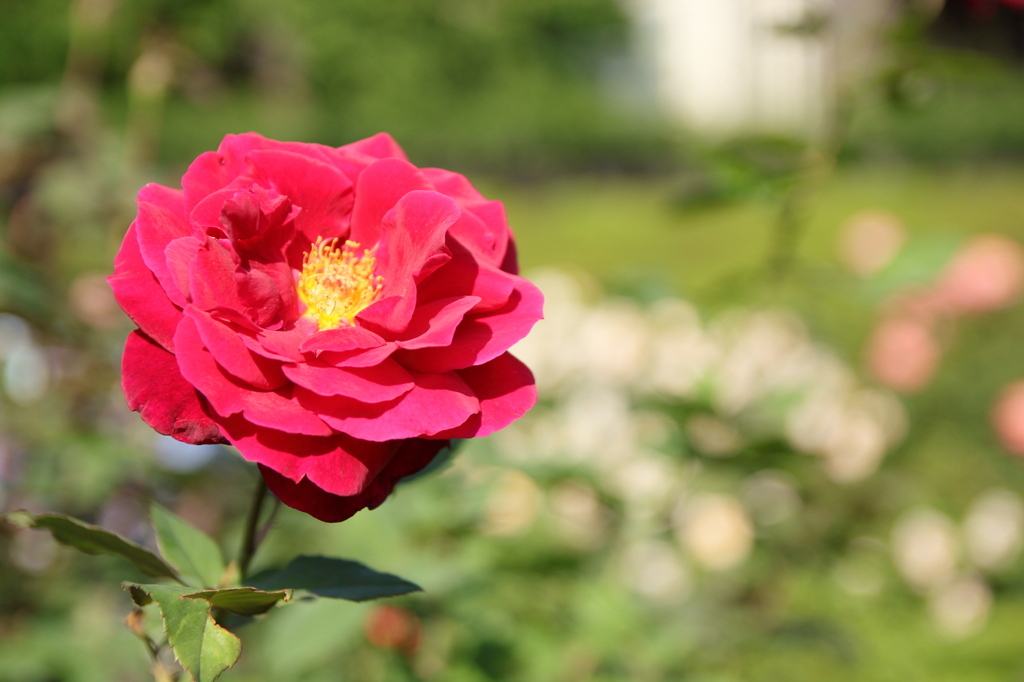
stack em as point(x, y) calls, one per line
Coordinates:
point(192, 552)
point(202, 647)
point(245, 601)
point(91, 539)
point(334, 578)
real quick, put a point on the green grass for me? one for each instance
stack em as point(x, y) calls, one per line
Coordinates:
point(617, 229)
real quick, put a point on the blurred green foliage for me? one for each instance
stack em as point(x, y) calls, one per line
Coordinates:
point(510, 85)
point(98, 97)
point(939, 103)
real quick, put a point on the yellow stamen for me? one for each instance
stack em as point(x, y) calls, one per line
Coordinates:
point(336, 284)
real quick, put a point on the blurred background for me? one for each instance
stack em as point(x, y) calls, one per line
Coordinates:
point(782, 387)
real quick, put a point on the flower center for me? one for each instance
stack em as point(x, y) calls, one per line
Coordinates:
point(336, 284)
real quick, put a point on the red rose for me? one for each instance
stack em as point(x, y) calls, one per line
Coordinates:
point(335, 314)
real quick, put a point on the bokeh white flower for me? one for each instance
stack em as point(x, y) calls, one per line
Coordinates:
point(994, 529)
point(513, 504)
point(925, 548)
point(715, 530)
point(961, 608)
point(654, 569)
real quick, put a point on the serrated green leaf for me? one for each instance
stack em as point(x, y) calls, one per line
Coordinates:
point(196, 556)
point(91, 539)
point(202, 647)
point(334, 578)
point(245, 601)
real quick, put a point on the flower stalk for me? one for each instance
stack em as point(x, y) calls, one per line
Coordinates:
point(252, 538)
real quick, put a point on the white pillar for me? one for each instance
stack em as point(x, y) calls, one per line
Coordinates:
point(728, 66)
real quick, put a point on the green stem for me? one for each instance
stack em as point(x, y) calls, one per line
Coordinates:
point(265, 528)
point(792, 219)
point(786, 236)
point(251, 542)
point(161, 674)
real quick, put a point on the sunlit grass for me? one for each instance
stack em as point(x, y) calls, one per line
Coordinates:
point(625, 229)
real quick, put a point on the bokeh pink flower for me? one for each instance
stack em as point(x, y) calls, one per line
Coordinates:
point(1008, 418)
point(985, 275)
point(903, 353)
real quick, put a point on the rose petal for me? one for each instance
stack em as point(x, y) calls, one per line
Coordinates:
point(140, 295)
point(264, 292)
point(437, 403)
point(464, 275)
point(267, 292)
point(434, 323)
point(379, 188)
point(212, 282)
point(341, 339)
point(379, 146)
point(510, 263)
point(179, 255)
point(492, 213)
point(257, 222)
point(454, 185)
point(380, 383)
point(212, 171)
point(478, 237)
point(231, 354)
point(285, 343)
point(156, 390)
point(207, 214)
point(322, 191)
point(353, 159)
point(155, 227)
point(506, 390)
point(360, 357)
point(413, 231)
point(168, 198)
point(271, 409)
point(307, 497)
point(481, 338)
point(490, 237)
point(338, 464)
